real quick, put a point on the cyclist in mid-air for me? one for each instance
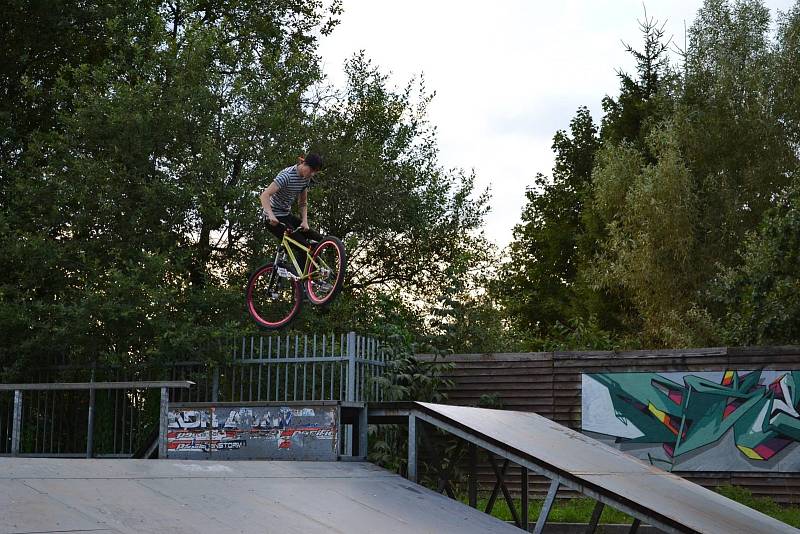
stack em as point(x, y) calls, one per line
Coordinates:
point(290, 185)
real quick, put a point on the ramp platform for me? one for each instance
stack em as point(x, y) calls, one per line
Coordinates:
point(581, 463)
point(178, 496)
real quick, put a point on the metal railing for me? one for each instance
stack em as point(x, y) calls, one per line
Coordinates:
point(289, 368)
point(16, 431)
point(276, 368)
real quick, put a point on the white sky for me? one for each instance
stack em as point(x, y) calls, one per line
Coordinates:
point(507, 74)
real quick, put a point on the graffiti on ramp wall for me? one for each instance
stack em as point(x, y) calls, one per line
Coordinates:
point(732, 420)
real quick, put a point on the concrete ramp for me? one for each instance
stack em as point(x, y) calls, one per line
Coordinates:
point(178, 496)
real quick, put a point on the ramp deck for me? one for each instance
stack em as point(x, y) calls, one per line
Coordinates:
point(179, 496)
point(610, 476)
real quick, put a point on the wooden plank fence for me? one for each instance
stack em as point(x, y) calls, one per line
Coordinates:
point(549, 383)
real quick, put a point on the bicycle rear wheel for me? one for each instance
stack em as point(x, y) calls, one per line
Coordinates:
point(273, 297)
point(325, 280)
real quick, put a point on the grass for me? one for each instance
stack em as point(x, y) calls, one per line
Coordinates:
point(579, 510)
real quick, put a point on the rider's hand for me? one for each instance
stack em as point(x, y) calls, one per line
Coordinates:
point(272, 220)
point(304, 226)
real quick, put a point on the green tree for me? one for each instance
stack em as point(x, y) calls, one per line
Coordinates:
point(412, 229)
point(758, 301)
point(129, 213)
point(537, 285)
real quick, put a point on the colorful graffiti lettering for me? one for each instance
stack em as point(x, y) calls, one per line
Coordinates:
point(685, 417)
point(259, 429)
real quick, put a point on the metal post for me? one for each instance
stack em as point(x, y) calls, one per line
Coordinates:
point(16, 429)
point(524, 494)
point(412, 448)
point(473, 475)
point(635, 526)
point(596, 513)
point(351, 366)
point(362, 432)
point(162, 424)
point(548, 504)
point(90, 426)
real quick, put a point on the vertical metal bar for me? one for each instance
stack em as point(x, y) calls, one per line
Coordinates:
point(314, 368)
point(278, 369)
point(286, 372)
point(548, 505)
point(90, 425)
point(269, 366)
point(596, 513)
point(341, 367)
point(635, 526)
point(305, 364)
point(115, 394)
point(524, 501)
point(296, 352)
point(473, 475)
point(260, 364)
point(16, 429)
point(2, 419)
point(363, 438)
point(134, 394)
point(351, 366)
point(162, 424)
point(412, 448)
point(334, 366)
point(36, 418)
point(361, 395)
point(52, 422)
point(323, 365)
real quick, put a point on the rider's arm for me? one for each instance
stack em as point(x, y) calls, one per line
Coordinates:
point(265, 196)
point(302, 203)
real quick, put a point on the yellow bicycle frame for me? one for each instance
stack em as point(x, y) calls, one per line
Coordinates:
point(285, 243)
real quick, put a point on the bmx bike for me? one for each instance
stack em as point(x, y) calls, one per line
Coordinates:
point(275, 291)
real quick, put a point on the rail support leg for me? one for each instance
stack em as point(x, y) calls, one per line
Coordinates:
point(596, 513)
point(546, 507)
point(16, 428)
point(162, 424)
point(524, 504)
point(473, 475)
point(363, 434)
point(635, 526)
point(412, 448)
point(90, 426)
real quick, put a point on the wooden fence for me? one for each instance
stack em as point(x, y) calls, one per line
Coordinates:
point(549, 383)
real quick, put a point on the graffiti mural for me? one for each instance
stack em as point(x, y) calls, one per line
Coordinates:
point(732, 420)
point(252, 432)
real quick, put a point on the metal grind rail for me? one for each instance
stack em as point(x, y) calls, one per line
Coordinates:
point(16, 426)
point(570, 459)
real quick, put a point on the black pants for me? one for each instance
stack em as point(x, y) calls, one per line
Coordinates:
point(301, 237)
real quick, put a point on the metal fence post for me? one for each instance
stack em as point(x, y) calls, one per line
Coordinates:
point(16, 429)
point(90, 426)
point(162, 424)
point(351, 366)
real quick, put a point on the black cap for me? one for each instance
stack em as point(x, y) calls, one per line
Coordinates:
point(313, 160)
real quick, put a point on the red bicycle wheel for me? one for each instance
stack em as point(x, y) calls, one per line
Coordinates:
point(325, 280)
point(273, 297)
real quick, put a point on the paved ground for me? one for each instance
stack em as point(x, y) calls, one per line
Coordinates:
point(40, 495)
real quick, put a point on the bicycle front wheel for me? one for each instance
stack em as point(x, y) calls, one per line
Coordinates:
point(273, 297)
point(325, 279)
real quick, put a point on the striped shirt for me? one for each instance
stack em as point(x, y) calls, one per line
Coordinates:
point(290, 185)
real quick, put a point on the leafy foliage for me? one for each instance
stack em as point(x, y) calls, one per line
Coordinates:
point(690, 166)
